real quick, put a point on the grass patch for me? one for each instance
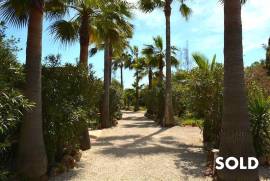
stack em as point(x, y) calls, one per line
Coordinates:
point(190, 121)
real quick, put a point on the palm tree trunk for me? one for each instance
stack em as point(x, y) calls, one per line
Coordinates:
point(160, 72)
point(236, 140)
point(85, 143)
point(121, 72)
point(84, 45)
point(32, 159)
point(105, 123)
point(150, 78)
point(168, 114)
point(136, 108)
point(84, 40)
point(110, 61)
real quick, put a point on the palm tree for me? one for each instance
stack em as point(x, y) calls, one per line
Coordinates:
point(120, 63)
point(148, 6)
point(138, 64)
point(111, 29)
point(78, 28)
point(150, 62)
point(32, 159)
point(134, 63)
point(155, 56)
point(236, 140)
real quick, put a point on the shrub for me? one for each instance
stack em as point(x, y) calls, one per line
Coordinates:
point(180, 92)
point(129, 98)
point(259, 106)
point(70, 103)
point(154, 102)
point(205, 100)
point(12, 103)
point(116, 101)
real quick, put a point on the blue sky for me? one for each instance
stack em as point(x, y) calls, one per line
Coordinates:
point(203, 31)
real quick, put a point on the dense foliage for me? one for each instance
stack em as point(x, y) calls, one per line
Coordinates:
point(71, 99)
point(154, 102)
point(12, 102)
point(259, 111)
point(68, 106)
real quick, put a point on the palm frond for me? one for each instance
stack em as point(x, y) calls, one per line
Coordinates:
point(15, 12)
point(150, 5)
point(158, 42)
point(56, 9)
point(201, 61)
point(174, 61)
point(65, 31)
point(185, 10)
point(213, 63)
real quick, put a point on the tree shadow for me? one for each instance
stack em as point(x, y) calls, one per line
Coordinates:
point(143, 124)
point(190, 159)
point(133, 118)
point(108, 141)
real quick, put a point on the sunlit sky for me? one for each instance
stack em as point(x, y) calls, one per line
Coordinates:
point(203, 31)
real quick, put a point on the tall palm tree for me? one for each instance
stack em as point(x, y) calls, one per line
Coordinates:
point(148, 6)
point(111, 29)
point(138, 64)
point(150, 62)
point(32, 159)
point(236, 140)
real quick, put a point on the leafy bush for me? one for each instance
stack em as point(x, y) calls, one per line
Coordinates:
point(12, 104)
point(180, 92)
point(259, 106)
point(206, 101)
point(129, 98)
point(154, 102)
point(69, 105)
point(116, 101)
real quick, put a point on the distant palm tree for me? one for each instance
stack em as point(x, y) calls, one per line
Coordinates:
point(155, 56)
point(235, 138)
point(148, 6)
point(138, 64)
point(32, 159)
point(119, 62)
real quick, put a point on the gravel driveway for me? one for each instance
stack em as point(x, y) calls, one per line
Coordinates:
point(138, 150)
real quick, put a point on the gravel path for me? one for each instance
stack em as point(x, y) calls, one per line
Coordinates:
point(138, 150)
